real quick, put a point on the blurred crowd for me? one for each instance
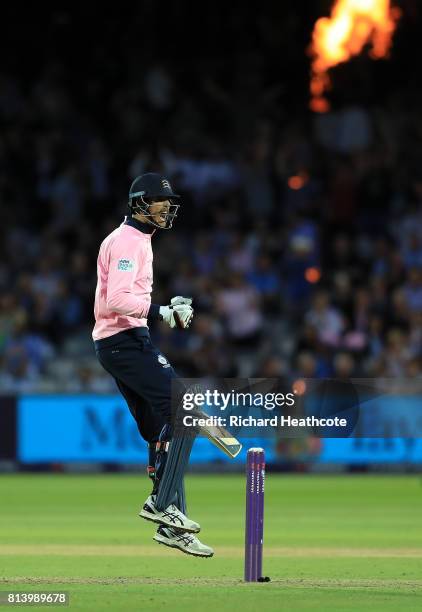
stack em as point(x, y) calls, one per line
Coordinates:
point(299, 236)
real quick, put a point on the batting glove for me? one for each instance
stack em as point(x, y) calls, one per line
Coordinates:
point(176, 301)
point(183, 315)
point(179, 315)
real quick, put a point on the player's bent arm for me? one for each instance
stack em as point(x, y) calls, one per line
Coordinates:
point(122, 272)
point(121, 299)
point(125, 303)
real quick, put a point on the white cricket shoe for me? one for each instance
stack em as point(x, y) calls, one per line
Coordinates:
point(184, 541)
point(171, 516)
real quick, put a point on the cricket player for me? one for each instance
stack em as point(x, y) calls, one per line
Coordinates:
point(143, 375)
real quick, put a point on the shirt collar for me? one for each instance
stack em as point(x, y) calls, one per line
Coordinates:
point(145, 228)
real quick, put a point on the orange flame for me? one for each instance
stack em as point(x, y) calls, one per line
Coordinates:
point(335, 39)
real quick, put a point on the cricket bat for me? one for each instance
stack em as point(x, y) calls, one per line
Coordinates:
point(218, 435)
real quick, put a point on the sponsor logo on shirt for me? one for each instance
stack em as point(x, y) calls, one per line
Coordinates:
point(126, 265)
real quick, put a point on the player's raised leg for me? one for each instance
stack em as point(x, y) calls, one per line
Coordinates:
point(172, 460)
point(184, 541)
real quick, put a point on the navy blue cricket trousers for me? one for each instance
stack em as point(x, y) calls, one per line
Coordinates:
point(143, 376)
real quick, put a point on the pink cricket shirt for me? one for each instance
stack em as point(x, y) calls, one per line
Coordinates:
point(124, 272)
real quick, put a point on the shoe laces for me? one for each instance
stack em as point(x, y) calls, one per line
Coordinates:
point(185, 538)
point(181, 536)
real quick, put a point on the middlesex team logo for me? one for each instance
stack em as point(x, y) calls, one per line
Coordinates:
point(166, 184)
point(125, 265)
point(163, 361)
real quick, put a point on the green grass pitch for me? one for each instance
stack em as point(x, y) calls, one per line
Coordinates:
point(331, 543)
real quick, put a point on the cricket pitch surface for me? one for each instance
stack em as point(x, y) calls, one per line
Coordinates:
point(347, 542)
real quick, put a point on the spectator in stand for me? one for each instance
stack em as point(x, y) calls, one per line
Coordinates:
point(325, 319)
point(238, 304)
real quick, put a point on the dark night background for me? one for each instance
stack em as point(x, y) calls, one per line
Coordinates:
point(215, 96)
